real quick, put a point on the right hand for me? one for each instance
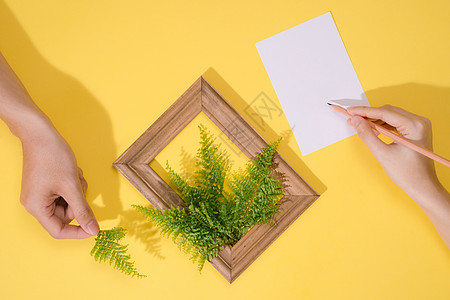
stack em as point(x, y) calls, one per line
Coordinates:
point(411, 171)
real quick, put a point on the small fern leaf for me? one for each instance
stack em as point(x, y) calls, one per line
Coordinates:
point(107, 248)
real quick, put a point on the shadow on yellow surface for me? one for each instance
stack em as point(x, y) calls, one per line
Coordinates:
point(76, 113)
point(143, 231)
point(424, 100)
point(417, 98)
point(256, 119)
point(188, 167)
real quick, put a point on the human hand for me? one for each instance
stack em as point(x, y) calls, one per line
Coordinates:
point(53, 186)
point(411, 171)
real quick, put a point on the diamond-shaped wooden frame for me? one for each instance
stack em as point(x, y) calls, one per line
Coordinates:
point(202, 97)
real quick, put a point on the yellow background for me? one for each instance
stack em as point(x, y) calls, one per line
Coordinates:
point(105, 70)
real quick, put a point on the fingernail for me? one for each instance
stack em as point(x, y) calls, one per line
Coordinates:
point(355, 121)
point(93, 227)
point(350, 111)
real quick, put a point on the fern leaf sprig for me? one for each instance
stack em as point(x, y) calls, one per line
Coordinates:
point(218, 209)
point(107, 248)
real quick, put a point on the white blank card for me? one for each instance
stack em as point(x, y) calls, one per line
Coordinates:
point(308, 66)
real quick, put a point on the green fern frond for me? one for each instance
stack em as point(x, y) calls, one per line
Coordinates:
point(219, 209)
point(107, 248)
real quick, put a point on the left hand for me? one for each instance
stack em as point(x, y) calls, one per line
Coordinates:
point(53, 187)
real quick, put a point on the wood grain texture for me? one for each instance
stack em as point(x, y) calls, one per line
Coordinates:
point(201, 96)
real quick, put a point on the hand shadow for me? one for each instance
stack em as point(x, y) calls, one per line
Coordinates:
point(79, 117)
point(421, 99)
point(425, 100)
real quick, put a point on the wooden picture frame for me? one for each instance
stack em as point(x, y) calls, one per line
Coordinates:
point(202, 97)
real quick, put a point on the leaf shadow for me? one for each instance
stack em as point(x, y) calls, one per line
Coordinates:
point(143, 231)
point(259, 119)
point(188, 165)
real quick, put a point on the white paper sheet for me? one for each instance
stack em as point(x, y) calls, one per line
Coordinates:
point(308, 66)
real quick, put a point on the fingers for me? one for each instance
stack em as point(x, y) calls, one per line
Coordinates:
point(368, 136)
point(81, 211)
point(83, 181)
point(62, 211)
point(58, 213)
point(60, 230)
point(385, 113)
point(411, 126)
point(403, 112)
point(54, 218)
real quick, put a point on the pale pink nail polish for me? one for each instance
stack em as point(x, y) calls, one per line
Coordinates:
point(93, 227)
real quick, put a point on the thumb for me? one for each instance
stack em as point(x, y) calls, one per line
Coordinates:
point(367, 135)
point(82, 211)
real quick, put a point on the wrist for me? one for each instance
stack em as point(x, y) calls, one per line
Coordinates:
point(434, 194)
point(33, 127)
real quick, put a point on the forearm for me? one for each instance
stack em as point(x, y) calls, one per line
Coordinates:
point(52, 184)
point(17, 109)
point(436, 204)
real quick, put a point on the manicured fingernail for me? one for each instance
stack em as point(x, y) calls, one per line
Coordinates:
point(355, 121)
point(93, 227)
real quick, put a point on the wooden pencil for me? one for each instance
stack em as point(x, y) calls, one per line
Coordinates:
point(398, 139)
